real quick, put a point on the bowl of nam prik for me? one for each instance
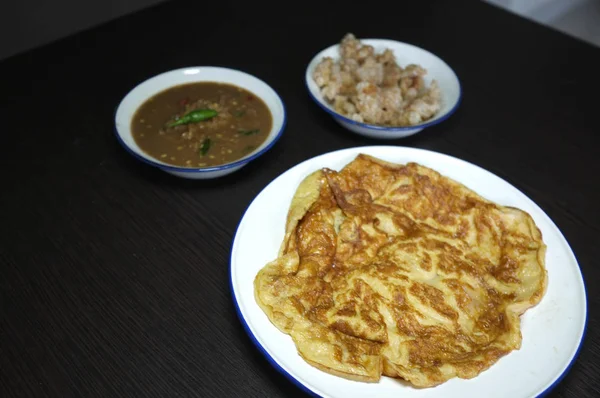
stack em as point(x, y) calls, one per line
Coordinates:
point(200, 122)
point(382, 88)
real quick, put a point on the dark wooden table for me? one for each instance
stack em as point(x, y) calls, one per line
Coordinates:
point(114, 275)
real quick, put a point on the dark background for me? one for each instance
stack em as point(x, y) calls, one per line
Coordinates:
point(26, 24)
point(114, 275)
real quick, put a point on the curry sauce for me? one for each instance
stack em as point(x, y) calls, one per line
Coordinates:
point(201, 124)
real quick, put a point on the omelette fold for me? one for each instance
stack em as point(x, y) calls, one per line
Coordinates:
point(396, 270)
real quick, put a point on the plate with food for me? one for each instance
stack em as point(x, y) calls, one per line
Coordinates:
point(390, 271)
point(200, 122)
point(382, 88)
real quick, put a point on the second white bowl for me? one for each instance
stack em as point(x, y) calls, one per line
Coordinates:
point(405, 54)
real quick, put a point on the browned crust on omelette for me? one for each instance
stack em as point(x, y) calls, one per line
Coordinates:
point(399, 271)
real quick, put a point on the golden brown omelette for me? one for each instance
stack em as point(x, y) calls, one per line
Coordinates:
point(399, 271)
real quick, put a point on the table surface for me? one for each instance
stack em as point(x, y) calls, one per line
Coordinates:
point(114, 275)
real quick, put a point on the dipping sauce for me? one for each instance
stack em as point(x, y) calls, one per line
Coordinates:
point(201, 124)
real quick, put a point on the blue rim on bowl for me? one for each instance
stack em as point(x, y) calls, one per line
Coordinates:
point(385, 128)
point(148, 159)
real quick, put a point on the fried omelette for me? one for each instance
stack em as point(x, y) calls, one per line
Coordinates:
point(396, 270)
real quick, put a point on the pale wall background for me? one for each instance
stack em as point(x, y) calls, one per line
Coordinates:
point(578, 18)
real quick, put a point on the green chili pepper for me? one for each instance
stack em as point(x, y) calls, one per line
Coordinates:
point(196, 116)
point(250, 132)
point(205, 146)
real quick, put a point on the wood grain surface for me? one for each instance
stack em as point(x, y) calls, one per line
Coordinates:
point(114, 275)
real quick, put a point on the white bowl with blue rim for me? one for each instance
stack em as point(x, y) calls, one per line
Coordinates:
point(147, 89)
point(405, 54)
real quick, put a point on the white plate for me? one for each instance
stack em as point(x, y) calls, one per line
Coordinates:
point(405, 54)
point(552, 331)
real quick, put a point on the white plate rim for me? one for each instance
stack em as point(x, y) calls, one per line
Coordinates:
point(556, 378)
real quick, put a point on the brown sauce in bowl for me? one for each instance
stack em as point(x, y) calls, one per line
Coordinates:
point(201, 124)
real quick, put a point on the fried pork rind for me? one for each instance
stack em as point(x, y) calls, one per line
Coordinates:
point(372, 88)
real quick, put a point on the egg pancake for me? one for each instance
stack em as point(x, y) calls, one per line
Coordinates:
point(396, 270)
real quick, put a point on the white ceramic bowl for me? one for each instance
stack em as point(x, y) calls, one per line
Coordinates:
point(136, 97)
point(405, 54)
